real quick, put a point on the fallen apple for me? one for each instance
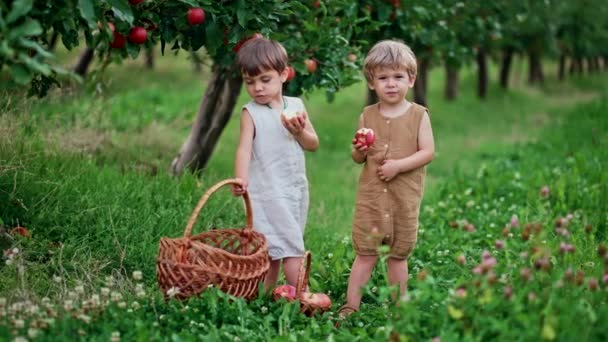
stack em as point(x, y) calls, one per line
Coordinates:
point(20, 231)
point(318, 300)
point(285, 291)
point(365, 136)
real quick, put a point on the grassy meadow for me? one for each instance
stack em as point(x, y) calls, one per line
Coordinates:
point(510, 244)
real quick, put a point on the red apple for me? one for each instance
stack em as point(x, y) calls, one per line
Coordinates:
point(365, 136)
point(291, 73)
point(20, 231)
point(135, 2)
point(311, 65)
point(241, 42)
point(320, 300)
point(316, 4)
point(119, 41)
point(196, 16)
point(138, 35)
point(285, 291)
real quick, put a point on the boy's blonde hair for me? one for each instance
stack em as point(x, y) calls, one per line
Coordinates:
point(389, 54)
point(261, 54)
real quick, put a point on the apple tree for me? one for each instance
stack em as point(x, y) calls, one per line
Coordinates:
point(312, 31)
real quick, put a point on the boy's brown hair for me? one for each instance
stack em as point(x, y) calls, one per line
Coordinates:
point(389, 54)
point(261, 54)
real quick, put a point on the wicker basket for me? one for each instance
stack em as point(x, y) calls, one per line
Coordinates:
point(308, 300)
point(233, 260)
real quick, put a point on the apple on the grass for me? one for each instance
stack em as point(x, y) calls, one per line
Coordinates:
point(320, 300)
point(365, 136)
point(286, 291)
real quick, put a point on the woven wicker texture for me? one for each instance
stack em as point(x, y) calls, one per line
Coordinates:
point(235, 260)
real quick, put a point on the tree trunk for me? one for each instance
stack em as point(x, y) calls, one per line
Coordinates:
point(214, 112)
point(150, 58)
point(53, 41)
point(505, 67)
point(482, 74)
point(451, 82)
point(536, 70)
point(82, 66)
point(578, 65)
point(561, 72)
point(420, 86)
point(371, 97)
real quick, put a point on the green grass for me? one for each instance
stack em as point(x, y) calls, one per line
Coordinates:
point(86, 172)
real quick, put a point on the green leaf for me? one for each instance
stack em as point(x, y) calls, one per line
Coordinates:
point(21, 74)
point(133, 50)
point(121, 10)
point(34, 64)
point(87, 10)
point(6, 50)
point(30, 28)
point(20, 8)
point(241, 16)
point(30, 44)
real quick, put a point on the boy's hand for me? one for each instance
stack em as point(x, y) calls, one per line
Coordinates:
point(388, 170)
point(360, 147)
point(239, 189)
point(296, 124)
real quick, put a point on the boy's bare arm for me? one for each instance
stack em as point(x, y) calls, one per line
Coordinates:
point(307, 137)
point(243, 152)
point(426, 148)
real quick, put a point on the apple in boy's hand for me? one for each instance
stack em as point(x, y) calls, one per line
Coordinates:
point(293, 121)
point(365, 137)
point(285, 291)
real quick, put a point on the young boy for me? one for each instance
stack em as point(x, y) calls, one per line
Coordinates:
point(270, 158)
point(392, 179)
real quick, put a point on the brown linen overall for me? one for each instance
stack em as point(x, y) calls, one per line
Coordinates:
point(390, 207)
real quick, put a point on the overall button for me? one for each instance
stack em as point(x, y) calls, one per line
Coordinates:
point(386, 146)
point(385, 190)
point(388, 121)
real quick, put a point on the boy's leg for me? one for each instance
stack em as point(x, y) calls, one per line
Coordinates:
point(398, 274)
point(291, 268)
point(359, 276)
point(272, 276)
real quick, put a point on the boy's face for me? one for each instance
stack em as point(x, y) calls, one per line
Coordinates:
point(266, 86)
point(391, 85)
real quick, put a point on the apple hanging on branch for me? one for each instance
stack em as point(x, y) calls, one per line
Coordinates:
point(311, 65)
point(196, 16)
point(291, 73)
point(138, 35)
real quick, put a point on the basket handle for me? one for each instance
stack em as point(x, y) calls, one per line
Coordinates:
point(304, 274)
point(205, 197)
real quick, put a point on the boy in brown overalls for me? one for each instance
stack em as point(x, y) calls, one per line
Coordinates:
point(392, 179)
